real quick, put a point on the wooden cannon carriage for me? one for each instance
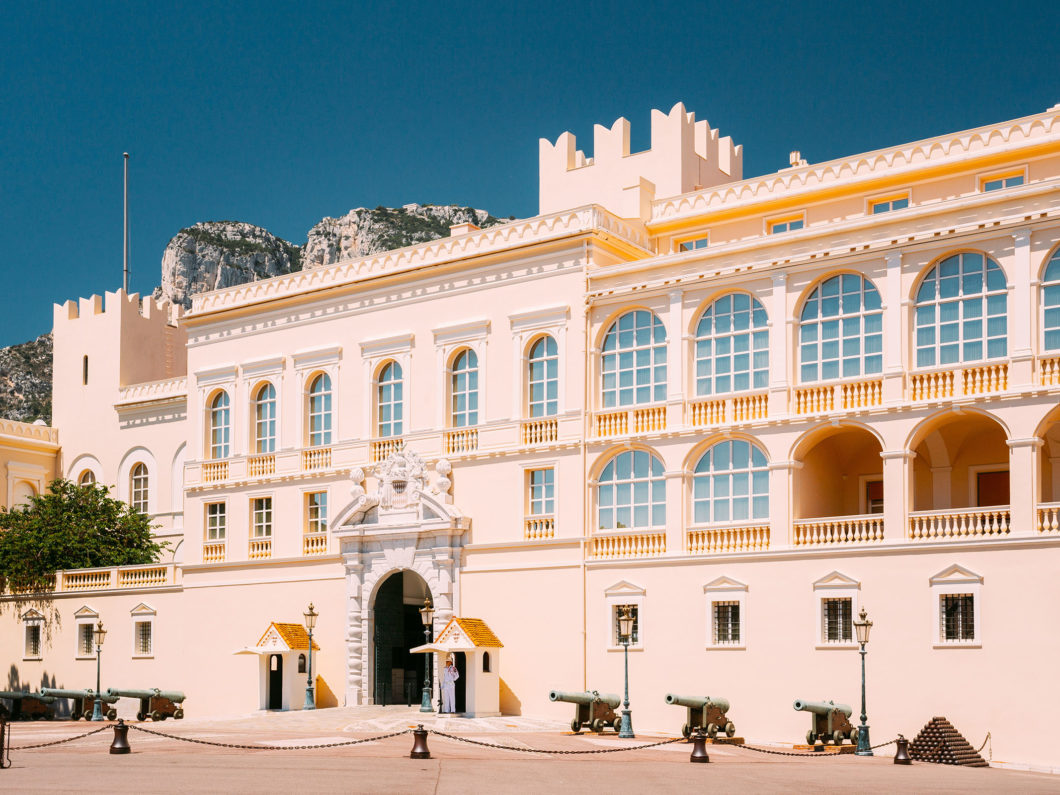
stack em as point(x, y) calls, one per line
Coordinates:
point(592, 709)
point(154, 703)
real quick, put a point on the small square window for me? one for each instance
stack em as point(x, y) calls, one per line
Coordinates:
point(785, 225)
point(1001, 181)
point(634, 638)
point(957, 617)
point(837, 620)
point(143, 635)
point(693, 245)
point(888, 205)
point(726, 623)
point(33, 641)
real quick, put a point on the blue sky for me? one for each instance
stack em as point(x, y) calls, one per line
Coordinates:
point(281, 113)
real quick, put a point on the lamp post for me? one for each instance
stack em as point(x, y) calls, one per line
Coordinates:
point(625, 633)
point(100, 634)
point(862, 627)
point(427, 616)
point(310, 622)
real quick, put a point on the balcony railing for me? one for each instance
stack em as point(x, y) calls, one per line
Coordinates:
point(627, 545)
point(213, 552)
point(843, 396)
point(381, 449)
point(542, 431)
point(957, 382)
point(962, 523)
point(619, 422)
point(315, 544)
point(259, 466)
point(151, 575)
point(259, 548)
point(863, 529)
point(1049, 517)
point(86, 580)
point(735, 538)
point(535, 527)
point(142, 577)
point(1049, 371)
point(213, 471)
point(316, 458)
point(461, 440)
point(722, 410)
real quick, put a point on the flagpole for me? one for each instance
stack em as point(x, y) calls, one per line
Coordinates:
point(125, 228)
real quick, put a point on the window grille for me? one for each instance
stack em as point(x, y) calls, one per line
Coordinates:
point(631, 492)
point(85, 637)
point(732, 346)
point(731, 483)
point(542, 492)
point(634, 635)
point(836, 620)
point(33, 640)
point(726, 623)
point(841, 330)
point(957, 617)
point(143, 637)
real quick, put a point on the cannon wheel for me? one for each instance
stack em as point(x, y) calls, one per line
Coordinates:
point(838, 737)
point(576, 726)
point(811, 737)
point(156, 715)
point(139, 716)
point(712, 730)
point(598, 725)
point(686, 731)
point(178, 714)
point(730, 730)
point(616, 724)
point(112, 714)
point(854, 736)
point(87, 715)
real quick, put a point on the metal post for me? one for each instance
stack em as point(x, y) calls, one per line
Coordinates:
point(864, 747)
point(125, 225)
point(425, 700)
point(310, 700)
point(626, 727)
point(97, 709)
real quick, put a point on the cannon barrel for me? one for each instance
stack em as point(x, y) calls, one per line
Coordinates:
point(586, 697)
point(59, 692)
point(15, 695)
point(176, 696)
point(696, 702)
point(821, 707)
point(114, 691)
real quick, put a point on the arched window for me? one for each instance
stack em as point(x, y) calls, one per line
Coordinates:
point(265, 419)
point(732, 346)
point(731, 483)
point(220, 426)
point(634, 360)
point(463, 387)
point(631, 493)
point(543, 378)
point(389, 397)
point(301, 663)
point(88, 478)
point(485, 662)
point(1051, 302)
point(138, 488)
point(841, 330)
point(961, 311)
point(320, 411)
point(84, 369)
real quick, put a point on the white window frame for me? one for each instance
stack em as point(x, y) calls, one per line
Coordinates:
point(326, 396)
point(206, 522)
point(255, 422)
point(142, 614)
point(84, 616)
point(841, 317)
point(953, 580)
point(307, 365)
point(144, 488)
point(306, 523)
point(786, 218)
point(32, 619)
point(253, 516)
point(614, 484)
point(226, 446)
point(374, 354)
point(528, 470)
point(525, 327)
point(1005, 173)
point(731, 335)
point(448, 340)
point(655, 349)
point(623, 593)
point(528, 413)
point(871, 202)
point(726, 589)
point(696, 243)
point(835, 585)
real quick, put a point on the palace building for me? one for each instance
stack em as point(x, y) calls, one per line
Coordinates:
point(746, 408)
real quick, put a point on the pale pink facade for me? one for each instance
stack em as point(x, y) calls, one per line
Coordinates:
point(747, 407)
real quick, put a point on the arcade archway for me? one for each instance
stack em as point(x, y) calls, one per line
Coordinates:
point(397, 676)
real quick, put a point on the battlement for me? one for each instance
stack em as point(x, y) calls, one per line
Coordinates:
point(685, 155)
point(118, 304)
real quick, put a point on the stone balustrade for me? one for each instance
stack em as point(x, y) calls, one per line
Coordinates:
point(1049, 517)
point(839, 396)
point(959, 382)
point(381, 449)
point(314, 458)
point(627, 545)
point(213, 552)
point(315, 544)
point(959, 523)
point(863, 529)
point(260, 466)
point(540, 431)
point(214, 471)
point(259, 548)
point(151, 575)
point(537, 527)
point(728, 538)
point(461, 440)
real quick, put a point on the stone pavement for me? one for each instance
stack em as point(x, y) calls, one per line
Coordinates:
point(159, 764)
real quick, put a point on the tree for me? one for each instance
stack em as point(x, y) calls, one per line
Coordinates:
point(70, 527)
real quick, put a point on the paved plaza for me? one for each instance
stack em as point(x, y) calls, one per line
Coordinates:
point(159, 764)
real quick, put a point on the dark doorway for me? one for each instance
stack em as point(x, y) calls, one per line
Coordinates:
point(460, 704)
point(275, 682)
point(398, 675)
point(991, 488)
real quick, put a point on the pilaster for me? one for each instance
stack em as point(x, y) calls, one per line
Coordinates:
point(1023, 472)
point(781, 489)
point(897, 487)
point(1022, 312)
point(895, 332)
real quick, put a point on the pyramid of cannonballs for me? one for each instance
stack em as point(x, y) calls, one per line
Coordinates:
point(939, 742)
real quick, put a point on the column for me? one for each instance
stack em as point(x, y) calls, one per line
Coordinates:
point(676, 490)
point(781, 489)
point(1023, 485)
point(895, 333)
point(1022, 311)
point(675, 359)
point(897, 491)
point(780, 346)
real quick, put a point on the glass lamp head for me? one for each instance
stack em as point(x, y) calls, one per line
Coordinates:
point(625, 623)
point(862, 627)
point(427, 612)
point(310, 617)
point(99, 634)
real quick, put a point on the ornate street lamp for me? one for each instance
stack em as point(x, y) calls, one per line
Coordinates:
point(625, 635)
point(427, 616)
point(862, 627)
point(310, 622)
point(100, 634)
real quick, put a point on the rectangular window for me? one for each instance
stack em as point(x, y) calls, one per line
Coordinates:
point(693, 245)
point(991, 488)
point(874, 496)
point(836, 620)
point(85, 645)
point(33, 641)
point(216, 521)
point(262, 517)
point(726, 623)
point(142, 635)
point(957, 617)
point(317, 512)
point(786, 225)
point(634, 637)
point(878, 206)
point(542, 483)
point(1002, 181)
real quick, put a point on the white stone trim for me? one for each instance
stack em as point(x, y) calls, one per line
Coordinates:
point(726, 589)
point(84, 615)
point(380, 348)
point(956, 579)
point(623, 593)
point(142, 614)
point(835, 585)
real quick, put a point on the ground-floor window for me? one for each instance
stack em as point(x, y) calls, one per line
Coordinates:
point(837, 620)
point(726, 623)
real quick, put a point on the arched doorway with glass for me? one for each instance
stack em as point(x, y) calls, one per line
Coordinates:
point(397, 676)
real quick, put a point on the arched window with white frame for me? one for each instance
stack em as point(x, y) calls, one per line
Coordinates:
point(220, 425)
point(730, 484)
point(841, 330)
point(1051, 303)
point(88, 478)
point(319, 411)
point(543, 378)
point(633, 363)
point(732, 346)
point(961, 311)
point(631, 493)
point(139, 488)
point(265, 419)
point(389, 401)
point(463, 389)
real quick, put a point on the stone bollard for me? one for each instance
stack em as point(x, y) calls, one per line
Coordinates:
point(901, 756)
point(699, 746)
point(121, 738)
point(419, 744)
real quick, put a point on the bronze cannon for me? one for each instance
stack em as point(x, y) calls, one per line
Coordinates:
point(706, 713)
point(830, 722)
point(29, 706)
point(154, 703)
point(592, 708)
point(83, 701)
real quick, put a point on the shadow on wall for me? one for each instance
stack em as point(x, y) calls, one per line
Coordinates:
point(510, 703)
point(324, 696)
point(62, 706)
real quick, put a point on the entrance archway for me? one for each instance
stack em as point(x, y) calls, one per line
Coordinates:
point(397, 676)
point(275, 700)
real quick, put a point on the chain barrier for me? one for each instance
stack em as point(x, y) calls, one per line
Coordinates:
point(990, 753)
point(810, 755)
point(542, 751)
point(267, 747)
point(58, 742)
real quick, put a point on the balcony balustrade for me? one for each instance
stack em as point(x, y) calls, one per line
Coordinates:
point(1049, 371)
point(958, 382)
point(315, 544)
point(734, 409)
point(1049, 517)
point(314, 458)
point(259, 466)
point(627, 545)
point(381, 449)
point(728, 538)
point(542, 431)
point(841, 396)
point(461, 440)
point(962, 523)
point(537, 527)
point(151, 575)
point(619, 422)
point(213, 552)
point(259, 548)
point(214, 471)
point(824, 531)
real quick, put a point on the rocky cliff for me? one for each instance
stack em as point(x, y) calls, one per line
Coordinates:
point(26, 380)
